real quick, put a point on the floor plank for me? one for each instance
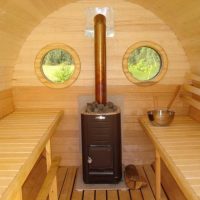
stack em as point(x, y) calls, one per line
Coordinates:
point(100, 195)
point(124, 195)
point(66, 178)
point(151, 178)
point(61, 175)
point(68, 184)
point(77, 195)
point(112, 195)
point(88, 195)
point(136, 195)
point(146, 191)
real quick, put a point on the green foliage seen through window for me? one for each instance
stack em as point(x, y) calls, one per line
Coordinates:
point(144, 63)
point(58, 65)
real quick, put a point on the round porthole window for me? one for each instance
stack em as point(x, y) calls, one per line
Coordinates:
point(57, 65)
point(145, 63)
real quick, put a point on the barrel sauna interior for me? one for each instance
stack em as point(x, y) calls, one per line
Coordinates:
point(27, 26)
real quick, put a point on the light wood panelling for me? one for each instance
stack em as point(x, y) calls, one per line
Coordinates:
point(137, 100)
point(194, 111)
point(18, 19)
point(67, 25)
point(183, 17)
point(6, 102)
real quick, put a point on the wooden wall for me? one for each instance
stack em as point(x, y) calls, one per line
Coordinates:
point(6, 102)
point(132, 24)
point(183, 17)
point(19, 18)
point(194, 112)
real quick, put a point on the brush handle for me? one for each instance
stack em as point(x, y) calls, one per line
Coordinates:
point(174, 97)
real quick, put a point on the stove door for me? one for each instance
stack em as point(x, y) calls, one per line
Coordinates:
point(100, 157)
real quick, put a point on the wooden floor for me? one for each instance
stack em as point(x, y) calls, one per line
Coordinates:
point(66, 180)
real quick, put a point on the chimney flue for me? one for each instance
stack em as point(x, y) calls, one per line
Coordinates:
point(100, 58)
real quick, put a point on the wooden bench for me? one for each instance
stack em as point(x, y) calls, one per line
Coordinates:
point(178, 145)
point(24, 135)
point(48, 184)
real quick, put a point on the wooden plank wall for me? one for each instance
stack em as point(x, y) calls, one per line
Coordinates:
point(132, 24)
point(6, 102)
point(18, 19)
point(194, 112)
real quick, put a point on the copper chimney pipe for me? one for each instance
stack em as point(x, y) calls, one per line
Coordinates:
point(100, 58)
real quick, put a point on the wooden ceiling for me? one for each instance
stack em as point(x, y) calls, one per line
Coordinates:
point(19, 18)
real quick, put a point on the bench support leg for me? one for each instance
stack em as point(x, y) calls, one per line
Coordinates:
point(18, 195)
point(158, 176)
point(53, 194)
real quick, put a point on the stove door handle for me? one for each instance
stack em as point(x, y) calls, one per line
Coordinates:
point(89, 160)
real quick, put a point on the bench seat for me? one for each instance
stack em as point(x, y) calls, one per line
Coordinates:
point(24, 135)
point(179, 147)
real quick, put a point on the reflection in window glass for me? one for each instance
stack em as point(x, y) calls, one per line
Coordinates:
point(144, 63)
point(58, 66)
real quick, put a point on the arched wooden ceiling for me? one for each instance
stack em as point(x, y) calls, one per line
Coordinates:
point(19, 18)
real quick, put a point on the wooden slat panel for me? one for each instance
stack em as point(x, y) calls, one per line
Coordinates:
point(147, 25)
point(192, 89)
point(77, 195)
point(68, 184)
point(146, 191)
point(192, 102)
point(194, 77)
point(29, 153)
point(15, 14)
point(124, 195)
point(151, 178)
point(62, 171)
point(181, 171)
point(112, 195)
point(88, 195)
point(100, 195)
point(6, 102)
point(136, 194)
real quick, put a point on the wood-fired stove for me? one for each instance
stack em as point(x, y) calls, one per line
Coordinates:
point(101, 147)
point(101, 123)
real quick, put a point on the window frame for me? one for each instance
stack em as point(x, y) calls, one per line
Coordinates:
point(39, 71)
point(163, 68)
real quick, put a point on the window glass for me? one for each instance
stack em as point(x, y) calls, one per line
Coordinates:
point(58, 65)
point(144, 63)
